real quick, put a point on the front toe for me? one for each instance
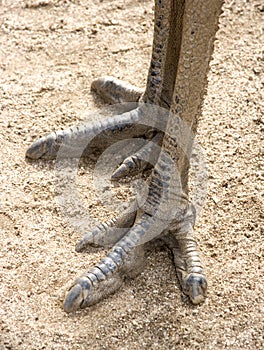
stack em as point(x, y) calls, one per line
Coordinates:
point(195, 288)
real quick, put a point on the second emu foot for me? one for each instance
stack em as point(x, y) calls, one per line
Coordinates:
point(126, 259)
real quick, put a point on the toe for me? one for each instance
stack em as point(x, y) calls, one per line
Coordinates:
point(196, 286)
point(36, 150)
point(77, 295)
point(74, 299)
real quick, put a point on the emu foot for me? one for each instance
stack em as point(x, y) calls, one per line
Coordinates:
point(138, 126)
point(126, 259)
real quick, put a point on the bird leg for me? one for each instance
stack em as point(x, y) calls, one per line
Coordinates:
point(184, 34)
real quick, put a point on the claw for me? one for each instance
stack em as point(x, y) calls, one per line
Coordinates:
point(46, 147)
point(37, 150)
point(131, 166)
point(77, 294)
point(105, 277)
point(88, 291)
point(196, 287)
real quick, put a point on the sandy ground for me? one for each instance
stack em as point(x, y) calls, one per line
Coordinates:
point(50, 52)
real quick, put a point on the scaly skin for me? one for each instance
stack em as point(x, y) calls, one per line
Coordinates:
point(182, 48)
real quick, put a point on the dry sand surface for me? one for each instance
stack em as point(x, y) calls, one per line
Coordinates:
point(50, 52)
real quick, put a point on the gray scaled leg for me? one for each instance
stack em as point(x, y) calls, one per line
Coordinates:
point(199, 26)
point(183, 41)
